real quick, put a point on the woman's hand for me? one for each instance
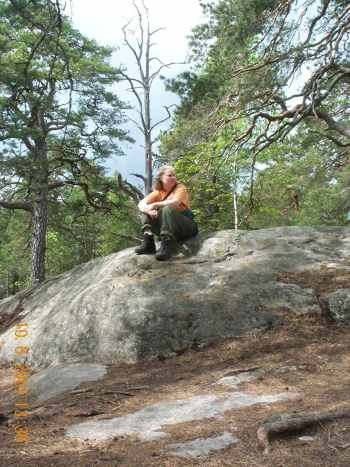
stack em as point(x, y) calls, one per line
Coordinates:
point(152, 213)
point(151, 210)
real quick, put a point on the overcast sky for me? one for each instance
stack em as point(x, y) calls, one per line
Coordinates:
point(103, 21)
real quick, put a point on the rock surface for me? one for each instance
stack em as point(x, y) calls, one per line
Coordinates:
point(339, 305)
point(124, 308)
point(147, 423)
point(153, 421)
point(54, 381)
point(201, 447)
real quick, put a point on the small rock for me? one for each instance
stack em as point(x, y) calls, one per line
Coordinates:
point(339, 305)
point(306, 439)
point(201, 447)
point(234, 381)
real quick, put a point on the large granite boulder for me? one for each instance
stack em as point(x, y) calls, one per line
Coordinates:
point(123, 308)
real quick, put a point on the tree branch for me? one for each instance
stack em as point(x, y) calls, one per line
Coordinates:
point(16, 205)
point(283, 424)
point(164, 119)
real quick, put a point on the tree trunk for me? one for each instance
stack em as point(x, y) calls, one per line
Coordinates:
point(39, 190)
point(235, 200)
point(147, 104)
point(148, 143)
point(148, 166)
point(235, 195)
point(235, 208)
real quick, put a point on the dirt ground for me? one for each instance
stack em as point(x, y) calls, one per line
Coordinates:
point(308, 355)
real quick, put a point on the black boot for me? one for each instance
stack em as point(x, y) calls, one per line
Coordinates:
point(147, 247)
point(167, 247)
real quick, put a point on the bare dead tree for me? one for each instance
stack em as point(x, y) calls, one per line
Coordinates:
point(141, 85)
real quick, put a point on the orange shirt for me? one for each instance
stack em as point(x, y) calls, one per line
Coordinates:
point(179, 193)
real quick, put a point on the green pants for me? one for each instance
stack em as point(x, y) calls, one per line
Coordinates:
point(172, 223)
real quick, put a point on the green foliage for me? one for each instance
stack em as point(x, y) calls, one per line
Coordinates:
point(59, 121)
point(209, 171)
point(14, 251)
point(55, 87)
point(302, 186)
point(77, 233)
point(216, 46)
point(56, 93)
point(298, 180)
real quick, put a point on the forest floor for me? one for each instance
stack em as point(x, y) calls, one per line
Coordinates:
point(305, 355)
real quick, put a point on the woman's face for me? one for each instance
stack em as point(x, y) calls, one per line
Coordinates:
point(168, 178)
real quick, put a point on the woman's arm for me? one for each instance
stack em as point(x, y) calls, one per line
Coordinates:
point(173, 203)
point(143, 206)
point(146, 208)
point(149, 204)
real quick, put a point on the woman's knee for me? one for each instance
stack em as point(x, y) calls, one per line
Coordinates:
point(168, 211)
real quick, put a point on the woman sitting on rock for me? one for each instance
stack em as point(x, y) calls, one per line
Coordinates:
point(166, 213)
